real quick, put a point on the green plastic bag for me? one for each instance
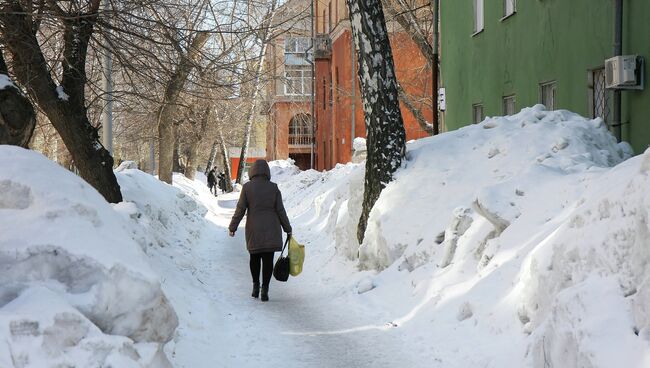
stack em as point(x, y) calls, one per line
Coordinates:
point(296, 257)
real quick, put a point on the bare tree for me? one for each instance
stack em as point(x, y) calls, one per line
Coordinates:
point(264, 39)
point(166, 113)
point(385, 128)
point(406, 15)
point(17, 116)
point(65, 105)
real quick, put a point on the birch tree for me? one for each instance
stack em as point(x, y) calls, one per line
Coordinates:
point(385, 128)
point(264, 37)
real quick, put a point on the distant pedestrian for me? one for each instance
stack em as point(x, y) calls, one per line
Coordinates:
point(212, 181)
point(265, 222)
point(222, 181)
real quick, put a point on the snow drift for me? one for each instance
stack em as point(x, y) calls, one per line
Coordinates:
point(75, 288)
point(521, 241)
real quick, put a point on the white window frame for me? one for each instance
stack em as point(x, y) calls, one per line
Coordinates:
point(509, 8)
point(476, 108)
point(479, 17)
point(543, 94)
point(300, 46)
point(505, 105)
point(301, 83)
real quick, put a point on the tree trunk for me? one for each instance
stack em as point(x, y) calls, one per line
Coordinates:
point(211, 158)
point(168, 109)
point(17, 115)
point(64, 106)
point(195, 142)
point(226, 159)
point(385, 130)
point(177, 165)
point(250, 118)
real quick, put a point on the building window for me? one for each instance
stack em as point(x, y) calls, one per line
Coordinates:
point(478, 16)
point(477, 113)
point(329, 16)
point(598, 94)
point(300, 130)
point(509, 8)
point(297, 80)
point(547, 94)
point(509, 105)
point(296, 45)
point(336, 73)
point(324, 93)
point(331, 95)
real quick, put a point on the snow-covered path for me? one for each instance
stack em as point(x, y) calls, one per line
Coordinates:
point(306, 323)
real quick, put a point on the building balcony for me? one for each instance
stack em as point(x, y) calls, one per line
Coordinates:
point(299, 141)
point(322, 46)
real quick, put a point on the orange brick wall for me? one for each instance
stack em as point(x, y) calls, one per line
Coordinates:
point(334, 132)
point(277, 129)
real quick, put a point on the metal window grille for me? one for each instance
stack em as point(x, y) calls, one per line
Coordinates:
point(599, 95)
point(509, 105)
point(547, 93)
point(477, 113)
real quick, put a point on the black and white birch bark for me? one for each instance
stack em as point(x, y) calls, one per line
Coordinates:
point(385, 139)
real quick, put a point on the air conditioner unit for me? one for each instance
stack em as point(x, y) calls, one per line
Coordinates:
point(621, 72)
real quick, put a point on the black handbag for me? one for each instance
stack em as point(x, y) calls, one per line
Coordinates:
point(281, 268)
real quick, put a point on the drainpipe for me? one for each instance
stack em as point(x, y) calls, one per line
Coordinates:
point(354, 94)
point(313, 88)
point(434, 68)
point(618, 50)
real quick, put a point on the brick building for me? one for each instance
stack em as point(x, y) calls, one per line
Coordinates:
point(338, 109)
point(288, 96)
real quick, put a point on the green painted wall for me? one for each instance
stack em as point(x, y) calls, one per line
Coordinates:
point(545, 40)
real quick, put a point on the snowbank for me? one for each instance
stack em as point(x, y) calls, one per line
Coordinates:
point(517, 242)
point(499, 169)
point(161, 214)
point(75, 289)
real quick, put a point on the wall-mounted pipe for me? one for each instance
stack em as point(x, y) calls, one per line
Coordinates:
point(618, 50)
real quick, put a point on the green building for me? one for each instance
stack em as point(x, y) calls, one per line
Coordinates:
point(499, 56)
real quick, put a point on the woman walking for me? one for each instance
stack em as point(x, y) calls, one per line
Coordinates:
point(264, 224)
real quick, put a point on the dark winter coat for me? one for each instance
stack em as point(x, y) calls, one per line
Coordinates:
point(266, 215)
point(222, 181)
point(212, 178)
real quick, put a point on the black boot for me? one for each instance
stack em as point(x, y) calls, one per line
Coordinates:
point(256, 290)
point(265, 293)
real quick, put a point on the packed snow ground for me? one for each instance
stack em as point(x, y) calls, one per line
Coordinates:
point(522, 241)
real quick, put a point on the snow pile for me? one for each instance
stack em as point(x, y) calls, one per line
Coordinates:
point(325, 202)
point(283, 170)
point(495, 171)
point(586, 287)
point(510, 243)
point(6, 82)
point(75, 289)
point(162, 214)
